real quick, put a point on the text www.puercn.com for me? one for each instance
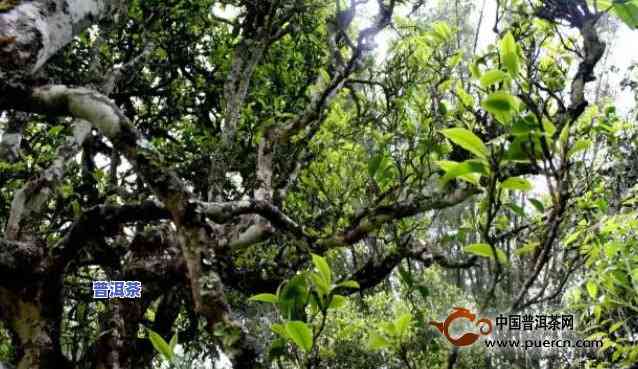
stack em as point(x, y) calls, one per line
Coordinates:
point(534, 344)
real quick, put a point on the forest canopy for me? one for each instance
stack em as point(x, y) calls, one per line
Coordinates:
point(317, 184)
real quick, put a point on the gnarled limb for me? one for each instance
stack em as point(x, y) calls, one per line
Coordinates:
point(34, 194)
point(193, 236)
point(39, 29)
point(368, 220)
point(376, 270)
point(18, 259)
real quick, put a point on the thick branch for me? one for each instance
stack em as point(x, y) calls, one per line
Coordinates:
point(371, 219)
point(315, 108)
point(376, 270)
point(36, 30)
point(594, 49)
point(105, 116)
point(99, 222)
point(18, 259)
point(222, 212)
point(34, 194)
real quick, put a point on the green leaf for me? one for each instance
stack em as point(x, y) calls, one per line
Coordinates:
point(607, 343)
point(320, 283)
point(528, 248)
point(280, 330)
point(485, 250)
point(300, 334)
point(349, 284)
point(492, 77)
point(517, 209)
point(509, 53)
point(524, 126)
point(507, 44)
point(423, 290)
point(160, 345)
point(443, 108)
point(580, 145)
point(337, 302)
point(265, 297)
point(293, 297)
point(463, 95)
point(55, 130)
point(402, 323)
point(475, 72)
point(324, 75)
point(322, 266)
point(511, 62)
point(516, 183)
point(173, 342)
point(616, 326)
point(455, 59)
point(442, 30)
point(66, 190)
point(611, 249)
point(499, 102)
point(621, 278)
point(549, 128)
point(627, 11)
point(377, 342)
point(522, 149)
point(374, 163)
point(467, 140)
point(592, 289)
point(468, 170)
point(538, 205)
point(572, 237)
point(597, 312)
point(389, 329)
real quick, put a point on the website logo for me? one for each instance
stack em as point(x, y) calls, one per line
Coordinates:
point(468, 338)
point(536, 333)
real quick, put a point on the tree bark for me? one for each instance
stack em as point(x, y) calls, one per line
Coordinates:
point(34, 314)
point(33, 31)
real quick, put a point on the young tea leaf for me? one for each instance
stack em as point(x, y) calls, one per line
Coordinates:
point(498, 102)
point(516, 183)
point(173, 342)
point(467, 140)
point(265, 297)
point(160, 345)
point(337, 302)
point(300, 334)
point(324, 269)
point(508, 52)
point(377, 342)
point(485, 250)
point(349, 284)
point(492, 77)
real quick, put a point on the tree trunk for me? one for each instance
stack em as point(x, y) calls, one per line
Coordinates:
point(33, 315)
